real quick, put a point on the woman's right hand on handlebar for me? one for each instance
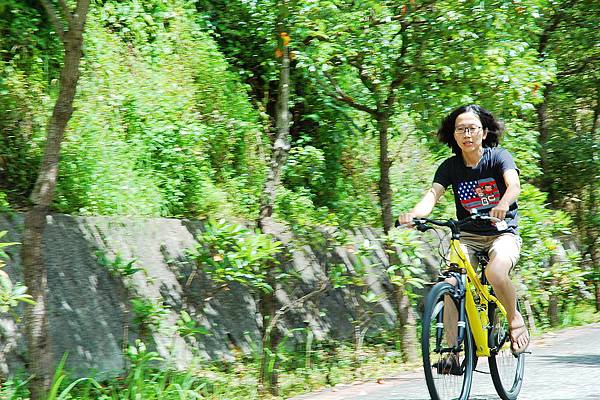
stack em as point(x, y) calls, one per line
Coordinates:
point(406, 218)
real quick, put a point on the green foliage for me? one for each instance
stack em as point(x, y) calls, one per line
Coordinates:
point(305, 167)
point(413, 169)
point(356, 280)
point(137, 23)
point(59, 379)
point(232, 253)
point(187, 326)
point(118, 266)
point(579, 314)
point(141, 359)
point(148, 313)
point(305, 364)
point(407, 273)
point(11, 294)
point(545, 267)
point(30, 54)
point(4, 206)
point(176, 100)
point(162, 126)
point(338, 276)
point(521, 140)
point(304, 218)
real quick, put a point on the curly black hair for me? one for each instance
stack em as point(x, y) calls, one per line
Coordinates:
point(493, 126)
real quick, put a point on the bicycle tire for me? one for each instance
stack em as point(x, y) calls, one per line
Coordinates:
point(441, 384)
point(507, 370)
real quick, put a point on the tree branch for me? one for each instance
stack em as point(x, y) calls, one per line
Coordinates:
point(81, 12)
point(295, 303)
point(66, 11)
point(398, 65)
point(363, 75)
point(552, 26)
point(51, 11)
point(343, 97)
point(403, 14)
point(580, 68)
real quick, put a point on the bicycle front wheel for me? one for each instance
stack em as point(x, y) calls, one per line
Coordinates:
point(448, 365)
point(507, 370)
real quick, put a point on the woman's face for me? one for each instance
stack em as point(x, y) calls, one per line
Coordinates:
point(468, 132)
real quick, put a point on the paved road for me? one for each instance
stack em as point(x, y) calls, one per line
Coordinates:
point(564, 366)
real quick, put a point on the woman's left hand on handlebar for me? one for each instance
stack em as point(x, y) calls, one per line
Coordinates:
point(406, 219)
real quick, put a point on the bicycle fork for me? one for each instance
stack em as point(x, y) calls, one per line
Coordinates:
point(459, 294)
point(467, 309)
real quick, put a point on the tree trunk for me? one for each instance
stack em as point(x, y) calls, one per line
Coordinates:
point(530, 316)
point(553, 310)
point(597, 285)
point(594, 209)
point(268, 379)
point(545, 182)
point(40, 357)
point(592, 239)
point(281, 147)
point(385, 190)
point(35, 274)
point(407, 326)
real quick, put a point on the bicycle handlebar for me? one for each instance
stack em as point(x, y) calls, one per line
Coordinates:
point(454, 225)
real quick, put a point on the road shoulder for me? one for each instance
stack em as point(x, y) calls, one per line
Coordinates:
point(364, 388)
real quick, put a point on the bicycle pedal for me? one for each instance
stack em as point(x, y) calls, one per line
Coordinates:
point(523, 352)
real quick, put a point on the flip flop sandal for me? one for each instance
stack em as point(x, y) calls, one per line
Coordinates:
point(522, 329)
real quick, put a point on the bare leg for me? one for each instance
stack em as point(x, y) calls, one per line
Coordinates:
point(497, 274)
point(450, 316)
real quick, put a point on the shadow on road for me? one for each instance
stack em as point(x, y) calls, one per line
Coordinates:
point(583, 359)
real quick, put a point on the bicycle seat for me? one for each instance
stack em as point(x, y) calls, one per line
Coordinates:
point(483, 257)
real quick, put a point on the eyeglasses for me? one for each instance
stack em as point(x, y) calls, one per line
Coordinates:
point(463, 130)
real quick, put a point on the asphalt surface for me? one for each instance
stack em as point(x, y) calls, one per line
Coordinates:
point(564, 365)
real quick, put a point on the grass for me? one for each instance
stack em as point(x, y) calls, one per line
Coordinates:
point(580, 314)
point(324, 365)
point(574, 315)
point(302, 369)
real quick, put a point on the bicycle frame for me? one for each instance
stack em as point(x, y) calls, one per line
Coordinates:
point(478, 318)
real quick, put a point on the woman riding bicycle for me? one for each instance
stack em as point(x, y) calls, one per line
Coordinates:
point(484, 178)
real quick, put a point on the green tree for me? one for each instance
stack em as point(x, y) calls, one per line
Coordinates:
point(378, 58)
point(568, 118)
point(384, 59)
point(30, 56)
point(69, 25)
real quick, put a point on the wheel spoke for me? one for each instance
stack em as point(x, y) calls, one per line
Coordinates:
point(448, 373)
point(506, 369)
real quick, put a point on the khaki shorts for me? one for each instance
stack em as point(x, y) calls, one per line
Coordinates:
point(506, 244)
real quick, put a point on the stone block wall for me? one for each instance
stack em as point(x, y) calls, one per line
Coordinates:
point(90, 310)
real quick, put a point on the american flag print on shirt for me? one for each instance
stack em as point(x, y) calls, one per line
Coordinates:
point(481, 194)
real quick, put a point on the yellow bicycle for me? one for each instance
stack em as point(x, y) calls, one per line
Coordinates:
point(463, 322)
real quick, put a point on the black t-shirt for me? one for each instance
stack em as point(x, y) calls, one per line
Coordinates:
point(479, 188)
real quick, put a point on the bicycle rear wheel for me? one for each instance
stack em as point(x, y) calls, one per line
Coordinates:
point(444, 380)
point(507, 370)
